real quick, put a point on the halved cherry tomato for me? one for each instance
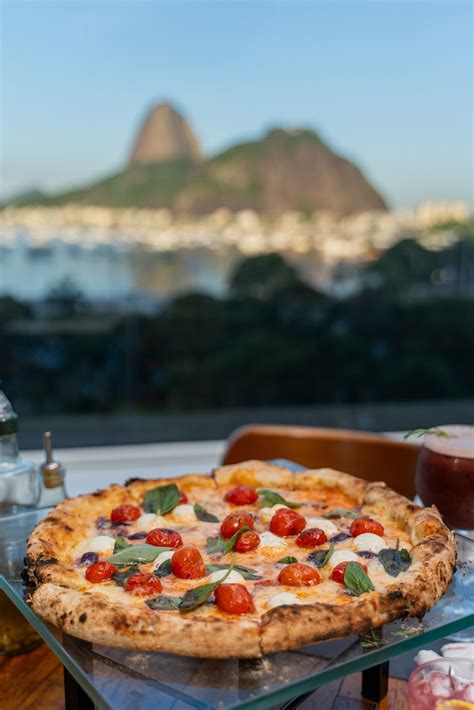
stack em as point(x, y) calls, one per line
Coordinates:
point(339, 571)
point(235, 521)
point(125, 513)
point(100, 572)
point(183, 498)
point(298, 575)
point(311, 537)
point(247, 541)
point(234, 599)
point(241, 495)
point(143, 584)
point(287, 522)
point(163, 537)
point(187, 563)
point(365, 525)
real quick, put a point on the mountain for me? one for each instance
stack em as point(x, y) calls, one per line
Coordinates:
point(284, 170)
point(163, 137)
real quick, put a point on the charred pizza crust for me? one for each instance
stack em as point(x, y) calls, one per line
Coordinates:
point(57, 592)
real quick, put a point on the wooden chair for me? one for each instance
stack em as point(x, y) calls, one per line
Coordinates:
point(370, 456)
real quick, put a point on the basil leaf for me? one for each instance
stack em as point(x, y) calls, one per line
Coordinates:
point(343, 513)
point(356, 579)
point(164, 569)
point(164, 603)
point(121, 577)
point(202, 514)
point(215, 544)
point(394, 561)
point(288, 560)
point(320, 557)
point(246, 572)
point(270, 498)
point(136, 554)
point(219, 544)
point(197, 596)
point(121, 544)
point(161, 500)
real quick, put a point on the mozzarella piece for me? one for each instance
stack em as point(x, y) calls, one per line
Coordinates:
point(283, 598)
point(370, 542)
point(102, 543)
point(148, 521)
point(162, 557)
point(266, 514)
point(342, 556)
point(184, 512)
point(233, 578)
point(329, 528)
point(268, 539)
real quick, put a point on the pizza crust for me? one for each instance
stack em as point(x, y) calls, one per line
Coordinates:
point(60, 594)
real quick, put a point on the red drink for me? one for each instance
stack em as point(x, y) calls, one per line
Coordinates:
point(445, 475)
point(442, 684)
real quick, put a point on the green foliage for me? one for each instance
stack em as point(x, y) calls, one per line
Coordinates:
point(263, 277)
point(284, 346)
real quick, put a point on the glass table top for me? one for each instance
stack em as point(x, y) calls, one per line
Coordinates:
point(119, 679)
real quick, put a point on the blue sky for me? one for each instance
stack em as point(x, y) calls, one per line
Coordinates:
point(388, 84)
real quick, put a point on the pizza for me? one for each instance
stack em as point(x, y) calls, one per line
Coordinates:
point(248, 561)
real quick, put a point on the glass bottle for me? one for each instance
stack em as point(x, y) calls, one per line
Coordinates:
point(19, 490)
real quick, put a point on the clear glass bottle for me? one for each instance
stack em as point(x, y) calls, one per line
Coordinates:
point(19, 490)
point(19, 480)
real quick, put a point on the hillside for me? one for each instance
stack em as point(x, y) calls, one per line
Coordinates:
point(285, 170)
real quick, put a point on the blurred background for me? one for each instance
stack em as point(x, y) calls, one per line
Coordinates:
point(215, 213)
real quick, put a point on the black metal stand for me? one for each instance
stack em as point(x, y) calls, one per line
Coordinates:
point(75, 697)
point(375, 682)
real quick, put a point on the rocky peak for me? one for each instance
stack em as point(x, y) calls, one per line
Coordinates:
point(164, 136)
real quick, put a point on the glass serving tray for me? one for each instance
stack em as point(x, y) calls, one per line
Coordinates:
point(118, 679)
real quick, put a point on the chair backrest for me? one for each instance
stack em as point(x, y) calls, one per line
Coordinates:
point(370, 456)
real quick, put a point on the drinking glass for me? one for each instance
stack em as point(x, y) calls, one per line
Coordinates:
point(436, 684)
point(445, 475)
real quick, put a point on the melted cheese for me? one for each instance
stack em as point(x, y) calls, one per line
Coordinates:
point(184, 513)
point(162, 557)
point(149, 521)
point(283, 598)
point(342, 556)
point(268, 539)
point(101, 544)
point(370, 542)
point(233, 578)
point(326, 525)
point(266, 514)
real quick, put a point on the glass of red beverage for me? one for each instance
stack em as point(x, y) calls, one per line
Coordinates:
point(445, 474)
point(442, 684)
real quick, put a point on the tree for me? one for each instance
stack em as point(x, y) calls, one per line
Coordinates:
point(263, 277)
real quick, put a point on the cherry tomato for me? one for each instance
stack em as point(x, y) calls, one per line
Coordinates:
point(183, 498)
point(287, 522)
point(339, 570)
point(163, 537)
point(187, 563)
point(100, 572)
point(125, 513)
point(143, 584)
point(234, 599)
point(235, 521)
point(312, 537)
point(298, 575)
point(247, 541)
point(241, 495)
point(365, 525)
